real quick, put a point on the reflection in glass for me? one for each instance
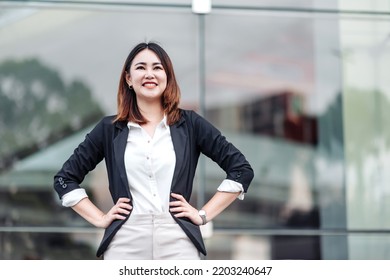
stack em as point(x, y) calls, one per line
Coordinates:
point(304, 97)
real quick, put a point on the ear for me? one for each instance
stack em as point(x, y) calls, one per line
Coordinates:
point(128, 79)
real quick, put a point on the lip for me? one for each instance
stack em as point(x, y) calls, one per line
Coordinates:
point(149, 83)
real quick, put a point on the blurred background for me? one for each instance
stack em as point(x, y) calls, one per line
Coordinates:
point(299, 86)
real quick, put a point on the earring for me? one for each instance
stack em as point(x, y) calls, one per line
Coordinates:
point(130, 87)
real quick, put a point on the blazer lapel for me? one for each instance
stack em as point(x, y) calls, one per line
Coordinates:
point(179, 139)
point(120, 143)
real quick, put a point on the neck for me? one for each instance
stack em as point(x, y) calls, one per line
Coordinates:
point(154, 112)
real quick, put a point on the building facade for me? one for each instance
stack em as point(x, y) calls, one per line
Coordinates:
point(300, 87)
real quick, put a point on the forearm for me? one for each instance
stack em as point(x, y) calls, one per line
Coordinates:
point(86, 209)
point(219, 202)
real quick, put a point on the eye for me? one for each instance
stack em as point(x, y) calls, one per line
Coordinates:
point(139, 67)
point(158, 68)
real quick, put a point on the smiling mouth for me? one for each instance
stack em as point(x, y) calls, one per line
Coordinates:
point(149, 85)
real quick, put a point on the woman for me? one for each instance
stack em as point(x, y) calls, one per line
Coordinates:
point(151, 149)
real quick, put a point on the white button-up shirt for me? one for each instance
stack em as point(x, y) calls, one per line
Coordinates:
point(150, 163)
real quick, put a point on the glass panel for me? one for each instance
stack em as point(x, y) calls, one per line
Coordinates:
point(262, 246)
point(369, 246)
point(48, 246)
point(378, 6)
point(59, 70)
point(265, 4)
point(264, 93)
point(366, 56)
point(303, 95)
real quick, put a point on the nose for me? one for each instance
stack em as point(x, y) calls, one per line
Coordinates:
point(149, 75)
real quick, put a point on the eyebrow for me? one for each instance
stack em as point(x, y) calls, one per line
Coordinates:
point(144, 63)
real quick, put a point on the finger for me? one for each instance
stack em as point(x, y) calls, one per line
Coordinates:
point(118, 210)
point(177, 209)
point(123, 199)
point(178, 196)
point(119, 217)
point(123, 211)
point(125, 206)
point(112, 217)
point(175, 203)
point(180, 215)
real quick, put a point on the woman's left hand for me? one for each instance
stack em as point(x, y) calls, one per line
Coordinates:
point(182, 208)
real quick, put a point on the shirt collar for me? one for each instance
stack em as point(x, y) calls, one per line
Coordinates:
point(163, 123)
point(133, 124)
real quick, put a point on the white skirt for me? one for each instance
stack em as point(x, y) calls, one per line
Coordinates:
point(151, 237)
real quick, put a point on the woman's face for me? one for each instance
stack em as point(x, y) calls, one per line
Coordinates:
point(147, 76)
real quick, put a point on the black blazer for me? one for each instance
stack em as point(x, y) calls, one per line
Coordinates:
point(191, 135)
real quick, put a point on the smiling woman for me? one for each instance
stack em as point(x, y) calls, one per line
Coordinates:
point(151, 149)
point(147, 62)
point(147, 80)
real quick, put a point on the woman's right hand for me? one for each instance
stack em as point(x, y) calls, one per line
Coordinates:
point(95, 216)
point(119, 211)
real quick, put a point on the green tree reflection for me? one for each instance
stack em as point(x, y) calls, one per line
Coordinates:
point(365, 114)
point(37, 107)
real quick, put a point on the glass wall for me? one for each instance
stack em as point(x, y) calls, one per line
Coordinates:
point(272, 93)
point(366, 56)
point(59, 73)
point(298, 86)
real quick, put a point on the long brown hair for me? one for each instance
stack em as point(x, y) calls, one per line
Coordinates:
point(127, 102)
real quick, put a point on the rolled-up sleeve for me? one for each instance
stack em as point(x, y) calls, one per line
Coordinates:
point(232, 186)
point(83, 159)
point(72, 198)
point(215, 146)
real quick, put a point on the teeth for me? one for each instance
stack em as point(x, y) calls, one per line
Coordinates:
point(150, 85)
